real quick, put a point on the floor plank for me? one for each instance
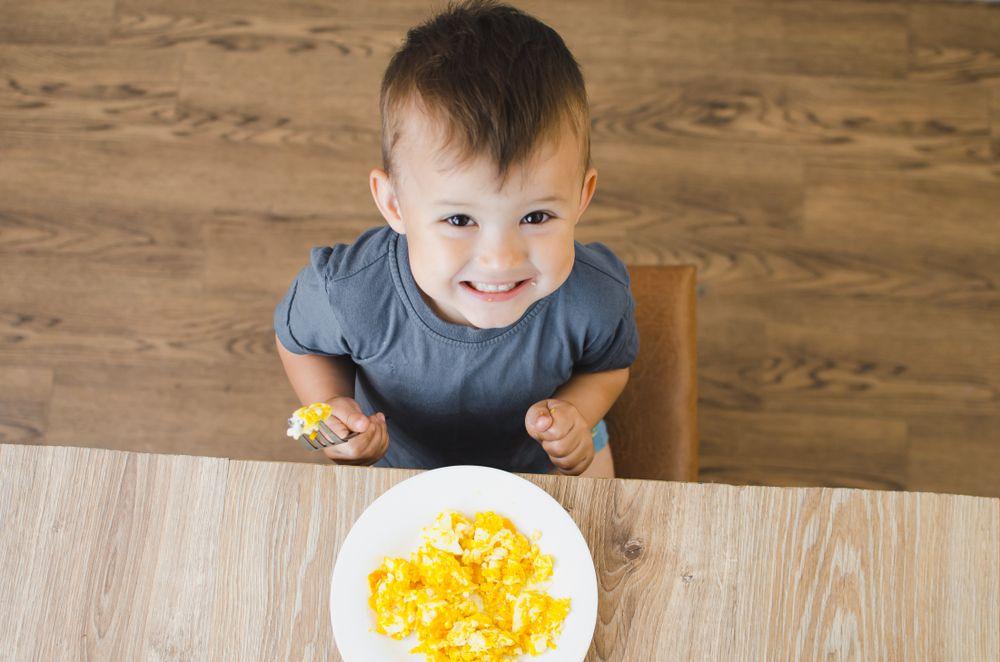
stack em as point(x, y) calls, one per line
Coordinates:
point(25, 394)
point(57, 21)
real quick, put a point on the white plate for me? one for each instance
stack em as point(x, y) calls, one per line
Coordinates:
point(391, 525)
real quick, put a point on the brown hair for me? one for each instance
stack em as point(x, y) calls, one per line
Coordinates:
point(496, 79)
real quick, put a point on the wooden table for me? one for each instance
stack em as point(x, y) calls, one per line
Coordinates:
point(114, 555)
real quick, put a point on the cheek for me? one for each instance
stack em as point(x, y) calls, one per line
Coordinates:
point(553, 257)
point(450, 259)
point(439, 261)
point(443, 268)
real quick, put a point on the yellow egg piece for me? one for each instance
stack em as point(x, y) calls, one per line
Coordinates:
point(306, 420)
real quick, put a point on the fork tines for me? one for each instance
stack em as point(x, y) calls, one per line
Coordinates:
point(328, 437)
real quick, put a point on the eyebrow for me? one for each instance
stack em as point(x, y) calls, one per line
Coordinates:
point(550, 198)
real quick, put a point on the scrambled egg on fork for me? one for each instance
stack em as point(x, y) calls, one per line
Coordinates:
point(472, 591)
point(306, 420)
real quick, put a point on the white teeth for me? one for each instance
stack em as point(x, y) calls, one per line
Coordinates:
point(486, 287)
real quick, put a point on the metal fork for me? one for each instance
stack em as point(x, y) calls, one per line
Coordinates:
point(325, 437)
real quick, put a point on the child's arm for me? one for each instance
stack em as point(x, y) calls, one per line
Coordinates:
point(563, 423)
point(330, 379)
point(317, 378)
point(593, 393)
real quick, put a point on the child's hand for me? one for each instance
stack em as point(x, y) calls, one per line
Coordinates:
point(563, 433)
point(366, 448)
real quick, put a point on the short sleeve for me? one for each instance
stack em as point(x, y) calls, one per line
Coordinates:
point(617, 347)
point(305, 320)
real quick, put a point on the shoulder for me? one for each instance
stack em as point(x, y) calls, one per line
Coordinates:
point(344, 282)
point(599, 280)
point(596, 307)
point(340, 261)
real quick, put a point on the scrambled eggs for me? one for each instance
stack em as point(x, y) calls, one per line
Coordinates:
point(305, 420)
point(471, 592)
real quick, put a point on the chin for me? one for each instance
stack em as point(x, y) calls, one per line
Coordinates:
point(495, 320)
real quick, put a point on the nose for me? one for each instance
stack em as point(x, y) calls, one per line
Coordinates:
point(501, 251)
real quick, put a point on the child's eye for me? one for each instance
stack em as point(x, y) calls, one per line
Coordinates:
point(543, 213)
point(465, 220)
point(457, 225)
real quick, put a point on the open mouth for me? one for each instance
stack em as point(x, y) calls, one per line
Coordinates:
point(495, 293)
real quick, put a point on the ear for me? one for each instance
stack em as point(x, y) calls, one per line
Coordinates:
point(386, 199)
point(589, 187)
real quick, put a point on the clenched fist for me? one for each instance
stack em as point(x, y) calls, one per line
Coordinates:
point(365, 449)
point(563, 433)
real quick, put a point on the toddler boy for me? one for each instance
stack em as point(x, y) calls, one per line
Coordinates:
point(473, 328)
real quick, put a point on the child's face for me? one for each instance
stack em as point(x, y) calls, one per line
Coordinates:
point(459, 229)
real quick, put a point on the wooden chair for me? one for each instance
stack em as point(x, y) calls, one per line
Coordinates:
point(653, 426)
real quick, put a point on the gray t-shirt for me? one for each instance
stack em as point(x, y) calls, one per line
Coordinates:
point(455, 394)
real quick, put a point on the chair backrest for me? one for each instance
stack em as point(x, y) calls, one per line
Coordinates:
point(653, 426)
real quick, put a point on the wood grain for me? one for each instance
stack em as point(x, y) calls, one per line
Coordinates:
point(933, 465)
point(106, 554)
point(155, 402)
point(889, 123)
point(831, 168)
point(25, 394)
point(134, 555)
point(841, 450)
point(955, 43)
point(57, 21)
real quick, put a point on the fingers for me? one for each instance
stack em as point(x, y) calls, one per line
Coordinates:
point(559, 448)
point(366, 448)
point(549, 419)
point(575, 462)
point(346, 417)
point(554, 423)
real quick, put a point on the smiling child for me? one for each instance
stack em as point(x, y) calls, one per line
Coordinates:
point(472, 328)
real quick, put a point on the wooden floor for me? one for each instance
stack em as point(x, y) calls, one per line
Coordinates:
point(832, 168)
